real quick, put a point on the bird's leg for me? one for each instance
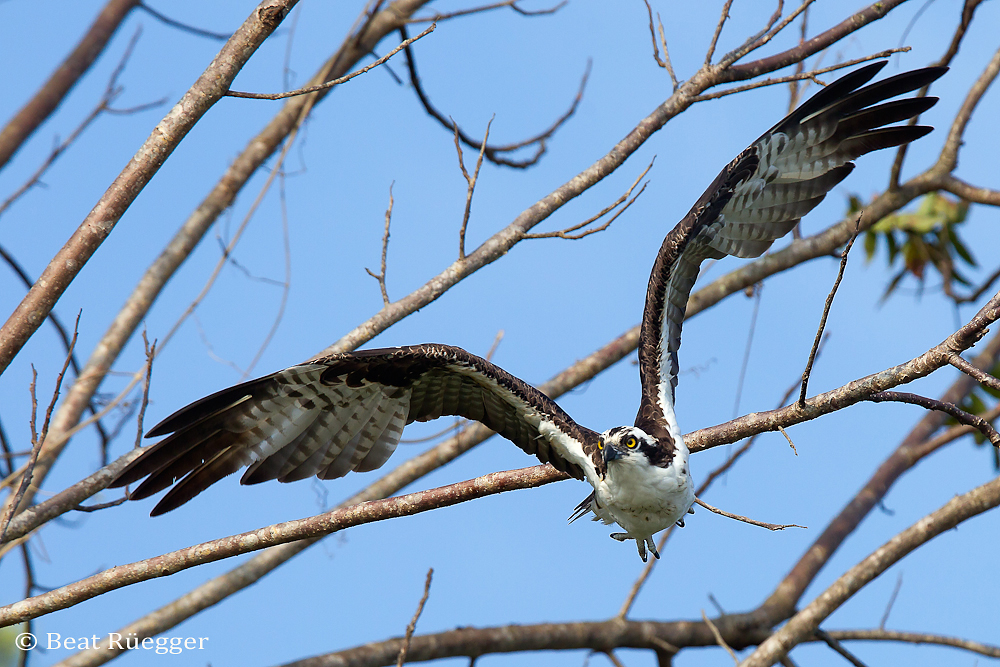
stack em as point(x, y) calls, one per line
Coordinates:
point(652, 548)
point(621, 537)
point(680, 523)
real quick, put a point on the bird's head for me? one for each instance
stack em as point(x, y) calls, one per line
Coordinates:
point(622, 443)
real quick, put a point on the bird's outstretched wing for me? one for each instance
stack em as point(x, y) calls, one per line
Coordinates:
point(759, 197)
point(346, 412)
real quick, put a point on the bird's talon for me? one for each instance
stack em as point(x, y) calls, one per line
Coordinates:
point(652, 548)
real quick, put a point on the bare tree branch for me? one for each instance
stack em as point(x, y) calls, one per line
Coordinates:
point(752, 522)
point(826, 313)
point(916, 638)
point(335, 82)
point(380, 276)
point(37, 438)
point(258, 150)
point(800, 76)
point(282, 533)
point(952, 410)
point(805, 622)
point(492, 153)
point(111, 93)
point(413, 623)
point(100, 222)
point(470, 182)
point(166, 20)
point(71, 70)
point(715, 631)
point(915, 446)
point(437, 17)
point(981, 377)
point(665, 61)
point(570, 232)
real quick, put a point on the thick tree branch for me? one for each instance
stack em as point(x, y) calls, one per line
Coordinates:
point(853, 392)
point(804, 623)
point(916, 445)
point(282, 533)
point(812, 46)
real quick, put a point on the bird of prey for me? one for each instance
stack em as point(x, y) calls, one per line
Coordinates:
point(345, 412)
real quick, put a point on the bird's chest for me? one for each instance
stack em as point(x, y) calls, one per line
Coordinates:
point(647, 498)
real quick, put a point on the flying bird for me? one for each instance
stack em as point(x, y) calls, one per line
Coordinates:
point(345, 412)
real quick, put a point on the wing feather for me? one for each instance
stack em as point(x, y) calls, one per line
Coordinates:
point(347, 412)
point(759, 197)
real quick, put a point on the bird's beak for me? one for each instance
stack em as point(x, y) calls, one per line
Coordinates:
point(610, 453)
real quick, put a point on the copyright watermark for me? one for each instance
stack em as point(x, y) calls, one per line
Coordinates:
point(54, 641)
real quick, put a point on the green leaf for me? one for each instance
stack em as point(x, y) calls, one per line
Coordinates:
point(871, 241)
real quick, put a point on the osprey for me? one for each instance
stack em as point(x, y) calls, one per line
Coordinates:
point(345, 412)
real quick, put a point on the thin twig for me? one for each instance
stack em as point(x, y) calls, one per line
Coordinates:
point(494, 153)
point(334, 82)
point(978, 292)
point(951, 409)
point(811, 75)
point(112, 91)
point(665, 61)
point(101, 506)
point(150, 355)
point(718, 637)
point(610, 655)
point(470, 182)
point(764, 36)
point(718, 31)
point(413, 623)
point(63, 337)
point(380, 277)
point(568, 233)
point(459, 423)
point(286, 286)
point(892, 601)
point(836, 646)
point(37, 438)
point(758, 289)
point(795, 91)
point(201, 32)
point(752, 522)
point(485, 8)
point(979, 376)
point(826, 313)
point(791, 444)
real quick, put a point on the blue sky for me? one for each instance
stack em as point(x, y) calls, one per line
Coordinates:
point(510, 558)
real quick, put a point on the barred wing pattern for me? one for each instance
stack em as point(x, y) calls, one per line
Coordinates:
point(760, 197)
point(347, 412)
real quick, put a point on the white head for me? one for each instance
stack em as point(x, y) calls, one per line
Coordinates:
point(627, 443)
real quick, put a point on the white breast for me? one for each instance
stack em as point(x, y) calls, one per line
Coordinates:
point(645, 499)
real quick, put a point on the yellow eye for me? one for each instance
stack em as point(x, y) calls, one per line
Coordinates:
point(600, 443)
point(631, 443)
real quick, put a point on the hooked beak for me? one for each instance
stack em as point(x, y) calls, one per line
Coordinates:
point(610, 453)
